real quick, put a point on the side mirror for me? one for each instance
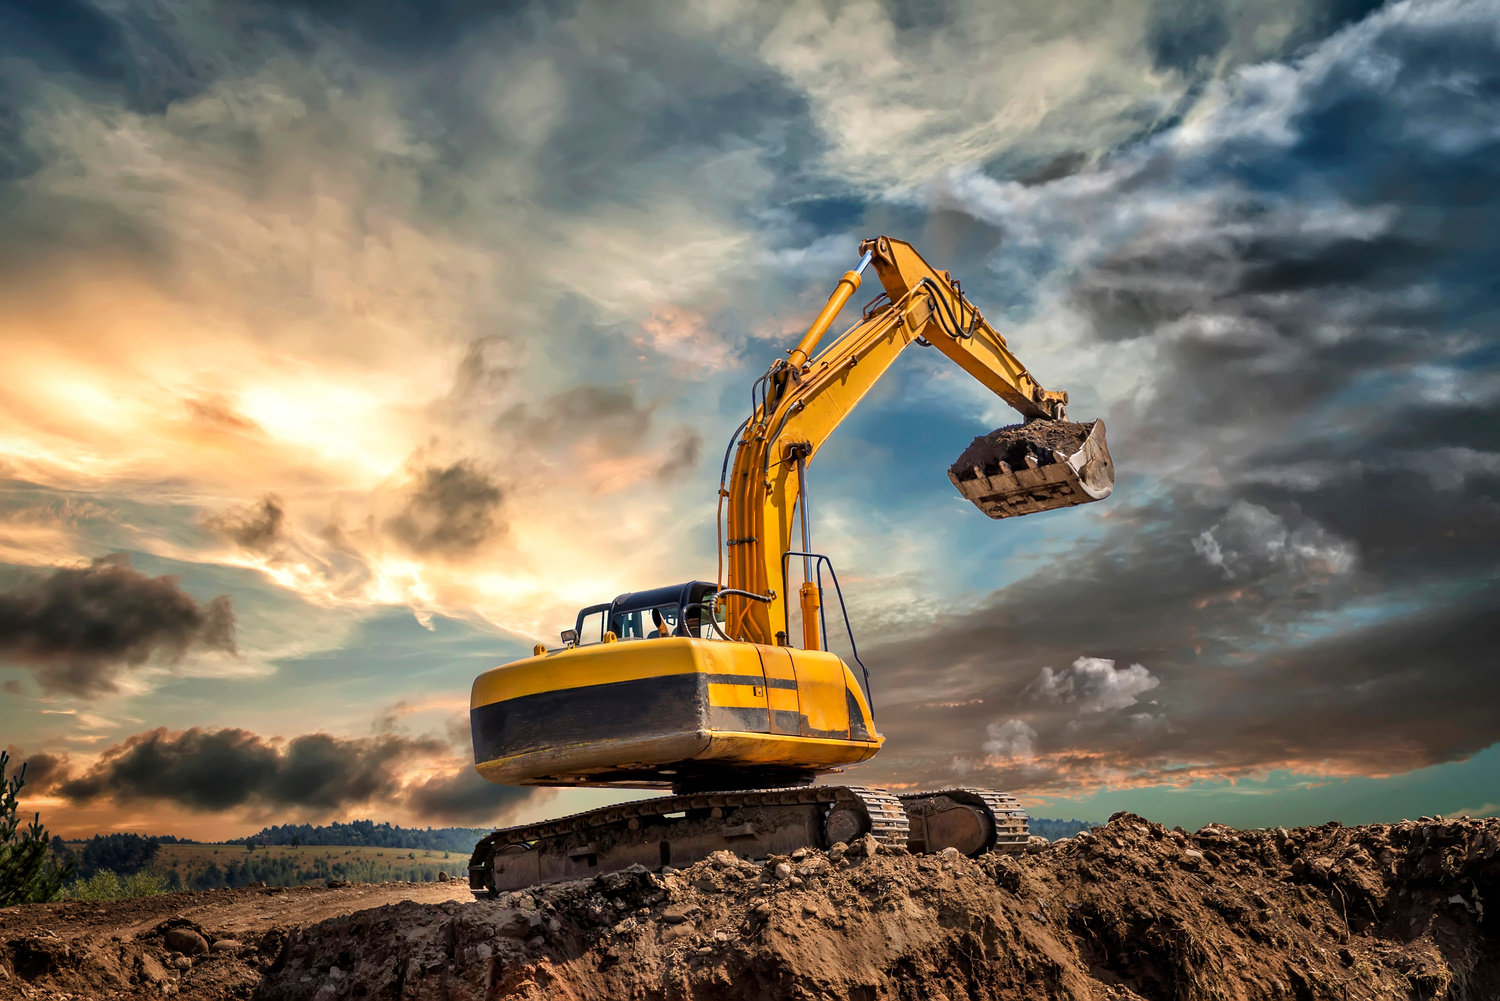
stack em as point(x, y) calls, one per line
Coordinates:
point(570, 637)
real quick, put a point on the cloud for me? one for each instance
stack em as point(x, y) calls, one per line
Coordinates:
point(464, 797)
point(1012, 740)
point(1095, 685)
point(1249, 535)
point(683, 452)
point(255, 526)
point(317, 774)
point(450, 511)
point(81, 628)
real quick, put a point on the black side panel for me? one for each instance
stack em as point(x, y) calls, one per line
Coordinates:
point(673, 703)
point(747, 719)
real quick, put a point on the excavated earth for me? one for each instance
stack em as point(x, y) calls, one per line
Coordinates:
point(1012, 444)
point(1129, 911)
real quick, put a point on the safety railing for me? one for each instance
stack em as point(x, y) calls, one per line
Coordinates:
point(819, 561)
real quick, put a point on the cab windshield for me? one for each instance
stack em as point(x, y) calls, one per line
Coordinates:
point(641, 624)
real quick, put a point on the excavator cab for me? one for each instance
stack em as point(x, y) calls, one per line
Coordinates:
point(682, 608)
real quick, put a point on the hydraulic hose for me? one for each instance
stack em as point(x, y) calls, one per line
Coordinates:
point(713, 605)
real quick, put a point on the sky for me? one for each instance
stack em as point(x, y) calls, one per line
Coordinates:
point(351, 347)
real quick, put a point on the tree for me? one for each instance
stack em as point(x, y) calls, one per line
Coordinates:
point(29, 872)
point(121, 854)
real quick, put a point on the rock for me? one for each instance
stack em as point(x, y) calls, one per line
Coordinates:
point(226, 945)
point(182, 962)
point(949, 854)
point(518, 923)
point(799, 854)
point(186, 941)
point(1036, 844)
point(442, 876)
point(675, 933)
point(782, 871)
point(869, 847)
point(1192, 858)
point(677, 914)
point(151, 969)
point(337, 884)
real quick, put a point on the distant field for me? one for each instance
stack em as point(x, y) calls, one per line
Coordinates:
point(213, 866)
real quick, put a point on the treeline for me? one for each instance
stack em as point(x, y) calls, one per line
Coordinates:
point(289, 870)
point(1054, 829)
point(368, 834)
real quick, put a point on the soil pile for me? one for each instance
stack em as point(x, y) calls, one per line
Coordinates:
point(1011, 445)
point(1130, 911)
point(207, 945)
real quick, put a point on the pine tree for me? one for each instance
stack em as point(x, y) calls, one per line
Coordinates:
point(29, 872)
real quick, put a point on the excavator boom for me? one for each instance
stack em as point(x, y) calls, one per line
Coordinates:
point(803, 399)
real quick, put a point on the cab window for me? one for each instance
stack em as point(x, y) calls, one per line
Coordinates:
point(592, 630)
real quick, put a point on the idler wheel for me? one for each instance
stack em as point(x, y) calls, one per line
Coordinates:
point(844, 823)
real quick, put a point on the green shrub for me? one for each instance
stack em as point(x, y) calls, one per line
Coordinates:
point(107, 885)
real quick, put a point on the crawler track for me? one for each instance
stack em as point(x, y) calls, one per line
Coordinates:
point(679, 830)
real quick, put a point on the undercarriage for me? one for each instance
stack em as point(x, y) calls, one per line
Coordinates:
point(680, 830)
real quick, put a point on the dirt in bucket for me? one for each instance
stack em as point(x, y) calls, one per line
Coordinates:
point(1012, 444)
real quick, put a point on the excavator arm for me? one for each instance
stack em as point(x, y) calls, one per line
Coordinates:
point(800, 401)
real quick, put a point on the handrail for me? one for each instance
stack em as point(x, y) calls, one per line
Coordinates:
point(819, 560)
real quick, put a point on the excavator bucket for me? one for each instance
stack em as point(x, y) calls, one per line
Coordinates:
point(1037, 466)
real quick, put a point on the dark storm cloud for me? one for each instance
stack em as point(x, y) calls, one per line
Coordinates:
point(213, 770)
point(80, 627)
point(450, 511)
point(255, 526)
point(1302, 545)
point(43, 771)
point(464, 797)
point(218, 769)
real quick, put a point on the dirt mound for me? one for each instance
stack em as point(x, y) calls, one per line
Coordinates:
point(205, 945)
point(1131, 911)
point(1011, 445)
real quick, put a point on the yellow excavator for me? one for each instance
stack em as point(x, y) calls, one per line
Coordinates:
point(698, 688)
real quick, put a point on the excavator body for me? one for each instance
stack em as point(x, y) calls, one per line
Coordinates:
point(677, 711)
point(662, 689)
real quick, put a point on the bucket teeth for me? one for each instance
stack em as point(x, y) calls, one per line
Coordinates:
point(1035, 467)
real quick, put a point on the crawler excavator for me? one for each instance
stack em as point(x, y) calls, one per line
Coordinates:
point(698, 688)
